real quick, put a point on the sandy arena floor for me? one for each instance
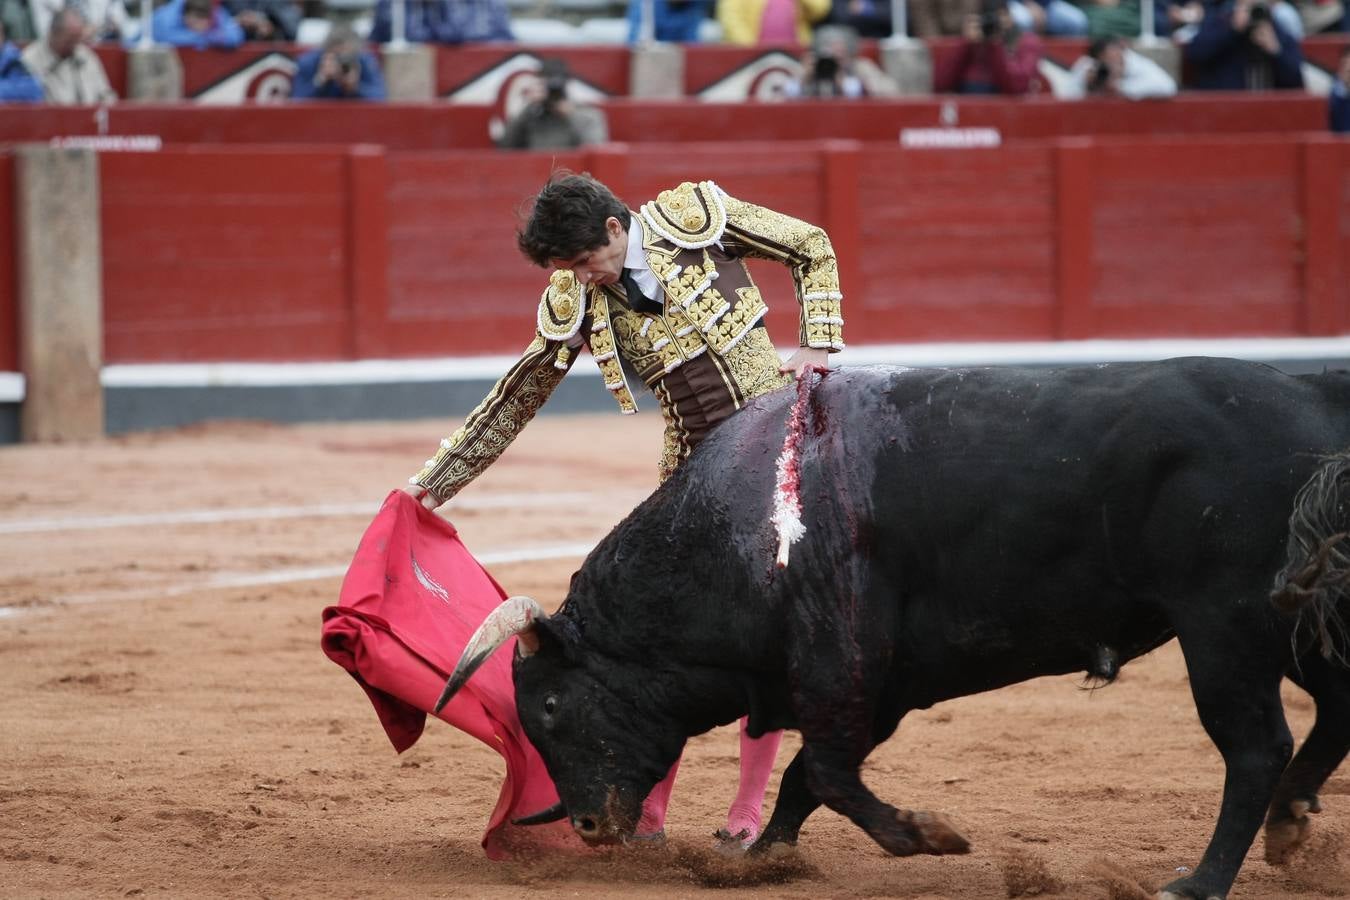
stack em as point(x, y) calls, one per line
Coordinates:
point(170, 728)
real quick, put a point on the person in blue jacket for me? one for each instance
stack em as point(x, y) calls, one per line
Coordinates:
point(196, 23)
point(17, 84)
point(1240, 46)
point(342, 69)
point(674, 21)
point(1338, 109)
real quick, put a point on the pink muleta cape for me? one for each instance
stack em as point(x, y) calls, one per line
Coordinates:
point(411, 599)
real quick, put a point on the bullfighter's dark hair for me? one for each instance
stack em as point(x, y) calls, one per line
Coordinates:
point(568, 217)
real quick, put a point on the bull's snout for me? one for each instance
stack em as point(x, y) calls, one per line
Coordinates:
point(587, 828)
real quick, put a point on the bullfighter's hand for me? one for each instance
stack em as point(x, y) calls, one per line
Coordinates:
point(419, 493)
point(806, 356)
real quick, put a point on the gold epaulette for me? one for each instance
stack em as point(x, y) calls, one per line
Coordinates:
point(562, 308)
point(689, 216)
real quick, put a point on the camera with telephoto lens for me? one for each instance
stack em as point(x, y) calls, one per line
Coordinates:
point(826, 69)
point(555, 88)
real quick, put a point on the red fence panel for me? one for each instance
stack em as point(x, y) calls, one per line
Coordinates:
point(1196, 239)
point(224, 255)
point(956, 245)
point(457, 283)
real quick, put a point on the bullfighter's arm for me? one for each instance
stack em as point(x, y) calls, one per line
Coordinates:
point(496, 421)
point(805, 249)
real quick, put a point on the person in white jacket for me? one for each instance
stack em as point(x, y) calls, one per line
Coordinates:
point(1112, 69)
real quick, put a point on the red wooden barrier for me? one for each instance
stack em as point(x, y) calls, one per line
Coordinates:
point(290, 253)
point(225, 254)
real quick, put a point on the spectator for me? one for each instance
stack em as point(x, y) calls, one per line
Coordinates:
point(1338, 110)
point(342, 69)
point(196, 23)
point(69, 72)
point(1111, 69)
point(1240, 46)
point(939, 18)
point(17, 84)
point(1054, 17)
point(833, 68)
point(266, 20)
point(108, 20)
point(549, 119)
point(867, 18)
point(1181, 19)
point(675, 21)
point(1123, 17)
point(1323, 15)
point(446, 22)
point(750, 22)
point(17, 20)
point(995, 56)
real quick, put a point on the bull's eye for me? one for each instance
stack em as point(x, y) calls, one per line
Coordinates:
point(550, 704)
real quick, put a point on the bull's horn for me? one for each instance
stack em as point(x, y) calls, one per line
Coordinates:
point(544, 816)
point(514, 616)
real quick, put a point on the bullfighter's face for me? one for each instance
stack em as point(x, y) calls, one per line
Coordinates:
point(603, 264)
point(596, 729)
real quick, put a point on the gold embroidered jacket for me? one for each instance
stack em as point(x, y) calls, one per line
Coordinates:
point(702, 355)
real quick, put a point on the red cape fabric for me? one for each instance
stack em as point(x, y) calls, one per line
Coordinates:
point(411, 600)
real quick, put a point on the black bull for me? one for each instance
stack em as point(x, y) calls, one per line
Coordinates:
point(966, 530)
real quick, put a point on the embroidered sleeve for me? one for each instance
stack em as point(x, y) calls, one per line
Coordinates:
point(496, 421)
point(805, 249)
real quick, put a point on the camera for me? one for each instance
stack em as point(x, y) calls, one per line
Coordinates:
point(1259, 12)
point(555, 89)
point(827, 69)
point(348, 63)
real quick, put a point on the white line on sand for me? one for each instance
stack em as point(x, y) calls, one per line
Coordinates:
point(226, 580)
point(214, 516)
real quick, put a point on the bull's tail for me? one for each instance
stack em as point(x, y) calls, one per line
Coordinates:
point(1315, 580)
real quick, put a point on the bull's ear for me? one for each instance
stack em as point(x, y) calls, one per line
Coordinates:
point(553, 634)
point(527, 642)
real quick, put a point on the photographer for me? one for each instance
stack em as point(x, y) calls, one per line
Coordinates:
point(995, 56)
point(1112, 69)
point(341, 69)
point(831, 67)
point(1241, 46)
point(549, 119)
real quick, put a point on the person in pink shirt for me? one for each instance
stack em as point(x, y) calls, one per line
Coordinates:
point(751, 22)
point(995, 57)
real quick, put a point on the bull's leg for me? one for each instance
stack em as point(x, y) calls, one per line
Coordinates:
point(795, 803)
point(832, 775)
point(1324, 750)
point(1235, 680)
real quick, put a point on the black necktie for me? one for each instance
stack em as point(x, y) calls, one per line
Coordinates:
point(636, 299)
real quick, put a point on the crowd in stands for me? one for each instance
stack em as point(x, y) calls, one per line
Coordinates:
point(1226, 44)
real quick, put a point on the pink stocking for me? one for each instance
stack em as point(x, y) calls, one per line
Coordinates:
point(654, 807)
point(757, 758)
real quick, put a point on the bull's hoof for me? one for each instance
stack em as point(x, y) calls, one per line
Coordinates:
point(1284, 836)
point(770, 846)
point(1189, 889)
point(934, 833)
